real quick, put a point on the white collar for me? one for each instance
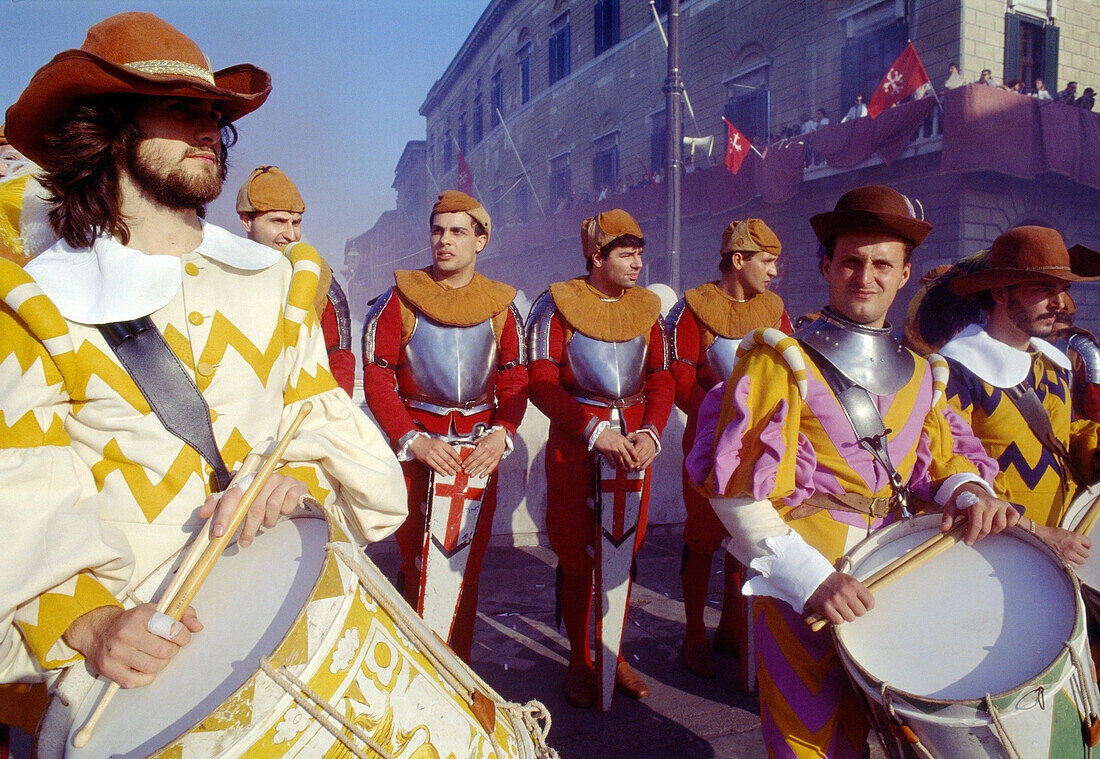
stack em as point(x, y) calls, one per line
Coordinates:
point(110, 282)
point(995, 362)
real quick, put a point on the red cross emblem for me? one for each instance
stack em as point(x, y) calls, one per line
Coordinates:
point(619, 487)
point(459, 492)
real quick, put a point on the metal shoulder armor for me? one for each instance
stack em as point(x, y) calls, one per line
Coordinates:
point(521, 357)
point(672, 321)
point(538, 328)
point(339, 303)
point(370, 325)
point(868, 356)
point(1089, 352)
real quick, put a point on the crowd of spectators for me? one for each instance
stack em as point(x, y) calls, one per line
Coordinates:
point(1068, 96)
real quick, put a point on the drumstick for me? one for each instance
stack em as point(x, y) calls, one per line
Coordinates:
point(1088, 521)
point(905, 564)
point(187, 583)
point(197, 576)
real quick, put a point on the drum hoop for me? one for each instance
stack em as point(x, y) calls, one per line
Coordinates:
point(914, 698)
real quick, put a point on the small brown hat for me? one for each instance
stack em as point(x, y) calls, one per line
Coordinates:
point(453, 201)
point(1030, 254)
point(268, 188)
point(873, 208)
point(135, 53)
point(749, 236)
point(599, 230)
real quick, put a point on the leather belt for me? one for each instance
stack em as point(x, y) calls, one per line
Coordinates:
point(860, 504)
point(432, 405)
point(606, 402)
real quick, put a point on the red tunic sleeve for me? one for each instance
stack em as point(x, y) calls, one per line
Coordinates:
point(341, 361)
point(660, 389)
point(683, 362)
point(511, 382)
point(380, 380)
point(547, 392)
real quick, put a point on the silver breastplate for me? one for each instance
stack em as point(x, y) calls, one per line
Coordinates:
point(611, 370)
point(453, 365)
point(721, 355)
point(868, 356)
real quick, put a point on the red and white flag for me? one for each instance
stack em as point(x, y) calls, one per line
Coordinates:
point(904, 78)
point(737, 147)
point(464, 179)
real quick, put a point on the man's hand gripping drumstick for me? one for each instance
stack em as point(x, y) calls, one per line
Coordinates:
point(266, 497)
point(971, 509)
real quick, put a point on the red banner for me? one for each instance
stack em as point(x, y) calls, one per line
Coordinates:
point(904, 78)
point(737, 147)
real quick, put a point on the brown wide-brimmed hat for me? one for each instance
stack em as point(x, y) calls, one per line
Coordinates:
point(1030, 254)
point(873, 208)
point(135, 53)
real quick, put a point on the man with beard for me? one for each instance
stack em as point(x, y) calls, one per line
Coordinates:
point(1013, 387)
point(270, 208)
point(796, 485)
point(443, 364)
point(704, 330)
point(599, 370)
point(131, 131)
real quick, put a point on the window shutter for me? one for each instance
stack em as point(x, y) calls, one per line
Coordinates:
point(1050, 57)
point(1012, 48)
point(849, 75)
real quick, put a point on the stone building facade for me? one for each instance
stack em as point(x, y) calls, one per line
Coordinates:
point(578, 86)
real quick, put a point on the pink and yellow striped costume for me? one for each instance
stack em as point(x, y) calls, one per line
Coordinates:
point(780, 435)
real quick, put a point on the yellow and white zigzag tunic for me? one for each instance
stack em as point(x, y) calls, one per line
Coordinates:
point(97, 493)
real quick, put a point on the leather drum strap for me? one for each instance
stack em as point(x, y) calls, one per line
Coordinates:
point(865, 419)
point(169, 390)
point(1027, 402)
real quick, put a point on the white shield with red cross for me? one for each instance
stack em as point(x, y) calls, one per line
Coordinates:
point(618, 509)
point(453, 510)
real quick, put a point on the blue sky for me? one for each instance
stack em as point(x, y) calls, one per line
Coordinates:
point(348, 80)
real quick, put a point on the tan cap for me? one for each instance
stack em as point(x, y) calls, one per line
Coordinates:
point(749, 236)
point(597, 231)
point(453, 201)
point(269, 189)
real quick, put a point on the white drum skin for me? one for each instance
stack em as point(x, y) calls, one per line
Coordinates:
point(992, 619)
point(296, 600)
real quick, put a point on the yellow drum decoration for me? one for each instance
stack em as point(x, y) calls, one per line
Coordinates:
point(348, 670)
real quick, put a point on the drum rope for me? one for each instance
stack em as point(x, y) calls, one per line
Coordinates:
point(318, 708)
point(1006, 739)
point(533, 715)
point(1083, 676)
point(888, 702)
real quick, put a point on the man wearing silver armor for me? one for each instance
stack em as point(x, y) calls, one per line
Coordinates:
point(599, 371)
point(817, 439)
point(704, 329)
point(444, 376)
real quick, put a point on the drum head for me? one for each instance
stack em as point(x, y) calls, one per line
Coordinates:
point(972, 621)
point(247, 605)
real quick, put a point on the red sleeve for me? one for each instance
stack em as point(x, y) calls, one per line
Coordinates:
point(785, 324)
point(379, 379)
point(511, 389)
point(547, 393)
point(684, 360)
point(341, 361)
point(660, 390)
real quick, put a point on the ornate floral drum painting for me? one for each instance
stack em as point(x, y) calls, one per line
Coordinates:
point(307, 651)
point(981, 652)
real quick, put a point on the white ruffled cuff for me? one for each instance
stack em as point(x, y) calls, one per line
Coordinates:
point(590, 441)
point(791, 572)
point(952, 483)
point(404, 443)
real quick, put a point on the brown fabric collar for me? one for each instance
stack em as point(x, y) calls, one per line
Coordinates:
point(730, 318)
point(480, 300)
point(615, 321)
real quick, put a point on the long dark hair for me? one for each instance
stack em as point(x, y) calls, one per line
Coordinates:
point(84, 156)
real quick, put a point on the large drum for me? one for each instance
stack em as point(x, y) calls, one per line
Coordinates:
point(307, 651)
point(1089, 572)
point(981, 652)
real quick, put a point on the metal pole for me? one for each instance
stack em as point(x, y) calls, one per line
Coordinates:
point(508, 134)
point(674, 90)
